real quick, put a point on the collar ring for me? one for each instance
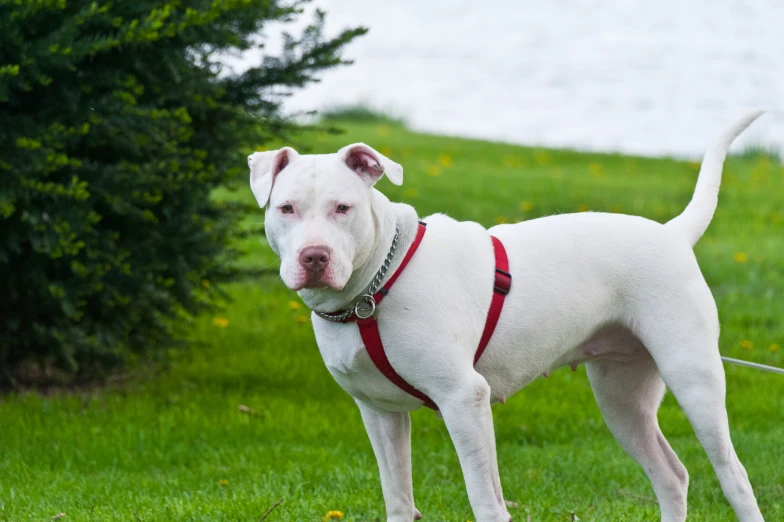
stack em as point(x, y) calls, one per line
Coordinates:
point(365, 307)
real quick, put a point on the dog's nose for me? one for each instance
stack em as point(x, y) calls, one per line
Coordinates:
point(314, 259)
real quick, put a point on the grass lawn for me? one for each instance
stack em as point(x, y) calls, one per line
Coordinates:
point(177, 446)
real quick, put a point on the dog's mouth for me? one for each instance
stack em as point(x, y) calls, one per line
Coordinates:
point(315, 283)
point(320, 280)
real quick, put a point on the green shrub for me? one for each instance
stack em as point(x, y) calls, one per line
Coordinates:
point(358, 114)
point(116, 123)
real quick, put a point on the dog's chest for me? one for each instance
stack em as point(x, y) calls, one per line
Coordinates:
point(347, 360)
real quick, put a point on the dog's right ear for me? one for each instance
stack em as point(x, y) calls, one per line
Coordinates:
point(264, 168)
point(370, 164)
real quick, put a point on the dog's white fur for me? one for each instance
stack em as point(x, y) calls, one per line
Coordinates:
point(622, 294)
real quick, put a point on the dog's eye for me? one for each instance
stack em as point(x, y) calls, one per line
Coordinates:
point(342, 209)
point(287, 209)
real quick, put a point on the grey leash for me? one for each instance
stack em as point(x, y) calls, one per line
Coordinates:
point(763, 367)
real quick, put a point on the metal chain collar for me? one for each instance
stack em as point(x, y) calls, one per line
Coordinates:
point(367, 296)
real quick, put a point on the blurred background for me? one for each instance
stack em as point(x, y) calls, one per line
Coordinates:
point(153, 366)
point(651, 78)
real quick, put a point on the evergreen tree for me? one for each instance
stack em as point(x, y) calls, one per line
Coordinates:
point(116, 124)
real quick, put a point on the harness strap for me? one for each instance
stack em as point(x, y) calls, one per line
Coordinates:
point(411, 250)
point(368, 328)
point(501, 287)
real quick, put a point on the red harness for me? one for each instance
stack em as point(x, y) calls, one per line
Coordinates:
point(368, 327)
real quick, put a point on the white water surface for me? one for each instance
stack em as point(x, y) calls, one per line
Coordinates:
point(651, 78)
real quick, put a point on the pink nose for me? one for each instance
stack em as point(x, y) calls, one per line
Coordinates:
point(314, 258)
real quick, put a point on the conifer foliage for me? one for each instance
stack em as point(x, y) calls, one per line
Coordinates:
point(116, 124)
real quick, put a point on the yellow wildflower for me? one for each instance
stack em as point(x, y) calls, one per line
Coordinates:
point(582, 208)
point(205, 283)
point(500, 220)
point(223, 482)
point(333, 514)
point(525, 206)
point(595, 169)
point(746, 345)
point(740, 257)
point(512, 161)
point(322, 136)
point(434, 170)
point(221, 321)
point(774, 347)
point(542, 158)
point(411, 193)
point(302, 319)
point(295, 305)
point(445, 160)
point(382, 130)
point(386, 151)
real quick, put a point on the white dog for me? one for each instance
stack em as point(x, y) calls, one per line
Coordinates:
point(622, 294)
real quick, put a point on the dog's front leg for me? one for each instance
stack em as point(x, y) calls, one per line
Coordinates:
point(390, 436)
point(466, 412)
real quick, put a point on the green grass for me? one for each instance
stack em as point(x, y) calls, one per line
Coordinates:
point(156, 448)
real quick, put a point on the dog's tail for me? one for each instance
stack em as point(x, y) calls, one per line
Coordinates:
point(698, 213)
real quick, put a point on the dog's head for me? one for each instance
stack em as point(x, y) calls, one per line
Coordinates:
point(319, 216)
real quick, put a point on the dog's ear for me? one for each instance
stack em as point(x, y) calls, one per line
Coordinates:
point(369, 164)
point(264, 167)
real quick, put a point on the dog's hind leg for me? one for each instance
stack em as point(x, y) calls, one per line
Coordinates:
point(681, 333)
point(629, 394)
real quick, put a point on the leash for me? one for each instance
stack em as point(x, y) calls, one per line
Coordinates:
point(756, 366)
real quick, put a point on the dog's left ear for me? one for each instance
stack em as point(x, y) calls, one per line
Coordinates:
point(370, 164)
point(264, 168)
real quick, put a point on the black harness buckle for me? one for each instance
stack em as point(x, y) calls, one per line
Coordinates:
point(503, 281)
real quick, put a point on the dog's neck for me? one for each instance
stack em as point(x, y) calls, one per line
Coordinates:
point(386, 215)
